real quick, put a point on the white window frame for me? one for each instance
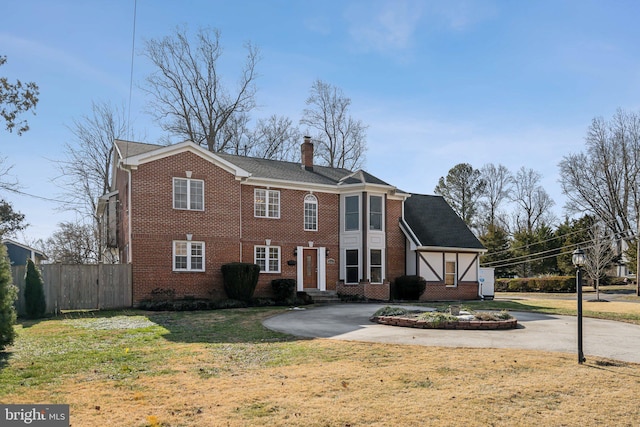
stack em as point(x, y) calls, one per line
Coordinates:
point(262, 198)
point(381, 213)
point(189, 182)
point(347, 266)
point(310, 213)
point(380, 266)
point(358, 213)
point(190, 246)
point(269, 252)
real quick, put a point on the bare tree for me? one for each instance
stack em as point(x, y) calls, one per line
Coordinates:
point(599, 254)
point(86, 170)
point(190, 98)
point(604, 180)
point(237, 135)
point(498, 188)
point(7, 181)
point(73, 243)
point(533, 202)
point(15, 99)
point(462, 188)
point(276, 138)
point(340, 139)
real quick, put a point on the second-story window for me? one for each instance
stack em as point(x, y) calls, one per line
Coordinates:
point(351, 213)
point(266, 203)
point(310, 213)
point(375, 213)
point(188, 194)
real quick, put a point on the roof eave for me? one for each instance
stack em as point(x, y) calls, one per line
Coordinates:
point(450, 249)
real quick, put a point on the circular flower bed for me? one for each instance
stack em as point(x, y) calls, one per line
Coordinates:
point(398, 316)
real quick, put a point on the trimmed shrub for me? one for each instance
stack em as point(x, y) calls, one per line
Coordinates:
point(284, 290)
point(240, 280)
point(409, 287)
point(391, 311)
point(537, 284)
point(35, 304)
point(8, 295)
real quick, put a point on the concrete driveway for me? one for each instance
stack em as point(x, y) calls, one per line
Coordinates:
point(605, 338)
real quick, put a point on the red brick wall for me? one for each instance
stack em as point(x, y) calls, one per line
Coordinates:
point(288, 232)
point(440, 292)
point(395, 241)
point(156, 225)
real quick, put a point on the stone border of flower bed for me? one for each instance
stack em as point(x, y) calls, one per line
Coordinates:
point(408, 322)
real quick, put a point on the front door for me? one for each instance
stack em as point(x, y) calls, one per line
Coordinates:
point(310, 268)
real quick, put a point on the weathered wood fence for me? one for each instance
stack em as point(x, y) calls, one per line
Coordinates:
point(79, 287)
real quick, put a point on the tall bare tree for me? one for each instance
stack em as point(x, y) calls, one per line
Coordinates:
point(498, 187)
point(340, 139)
point(533, 203)
point(86, 169)
point(462, 189)
point(604, 179)
point(599, 253)
point(276, 138)
point(15, 99)
point(190, 99)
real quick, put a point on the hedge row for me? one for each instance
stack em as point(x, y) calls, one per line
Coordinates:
point(537, 284)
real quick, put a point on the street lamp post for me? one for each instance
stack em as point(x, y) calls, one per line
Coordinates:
point(578, 260)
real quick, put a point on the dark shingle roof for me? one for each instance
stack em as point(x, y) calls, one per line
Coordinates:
point(288, 171)
point(435, 224)
point(272, 169)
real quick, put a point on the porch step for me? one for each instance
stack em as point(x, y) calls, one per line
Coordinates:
point(321, 297)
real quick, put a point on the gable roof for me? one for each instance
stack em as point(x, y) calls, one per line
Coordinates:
point(134, 153)
point(22, 247)
point(430, 222)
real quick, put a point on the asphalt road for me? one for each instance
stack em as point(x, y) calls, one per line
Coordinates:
point(605, 338)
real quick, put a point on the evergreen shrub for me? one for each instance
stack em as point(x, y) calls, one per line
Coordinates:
point(240, 280)
point(537, 284)
point(8, 295)
point(35, 304)
point(409, 287)
point(284, 290)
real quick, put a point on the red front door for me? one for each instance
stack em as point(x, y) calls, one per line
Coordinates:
point(310, 268)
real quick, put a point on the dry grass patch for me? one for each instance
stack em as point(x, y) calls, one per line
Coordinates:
point(197, 369)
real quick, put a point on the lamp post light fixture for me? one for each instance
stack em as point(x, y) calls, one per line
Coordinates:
point(578, 259)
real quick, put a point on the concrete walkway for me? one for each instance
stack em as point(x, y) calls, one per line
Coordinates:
point(605, 338)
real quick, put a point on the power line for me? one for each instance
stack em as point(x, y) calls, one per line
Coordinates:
point(48, 199)
point(133, 45)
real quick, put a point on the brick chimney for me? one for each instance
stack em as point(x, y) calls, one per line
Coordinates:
point(307, 153)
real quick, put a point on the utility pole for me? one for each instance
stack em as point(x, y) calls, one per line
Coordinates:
point(638, 254)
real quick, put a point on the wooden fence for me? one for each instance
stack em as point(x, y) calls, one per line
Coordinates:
point(79, 287)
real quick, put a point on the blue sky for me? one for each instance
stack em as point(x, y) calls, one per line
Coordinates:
point(438, 82)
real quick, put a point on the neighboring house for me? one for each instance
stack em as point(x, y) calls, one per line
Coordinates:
point(19, 253)
point(178, 213)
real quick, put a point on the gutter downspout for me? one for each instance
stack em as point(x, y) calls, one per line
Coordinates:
point(130, 251)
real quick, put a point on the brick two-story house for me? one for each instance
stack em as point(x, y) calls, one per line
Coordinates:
point(178, 213)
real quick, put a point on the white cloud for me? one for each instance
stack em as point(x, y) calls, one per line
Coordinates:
point(383, 26)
